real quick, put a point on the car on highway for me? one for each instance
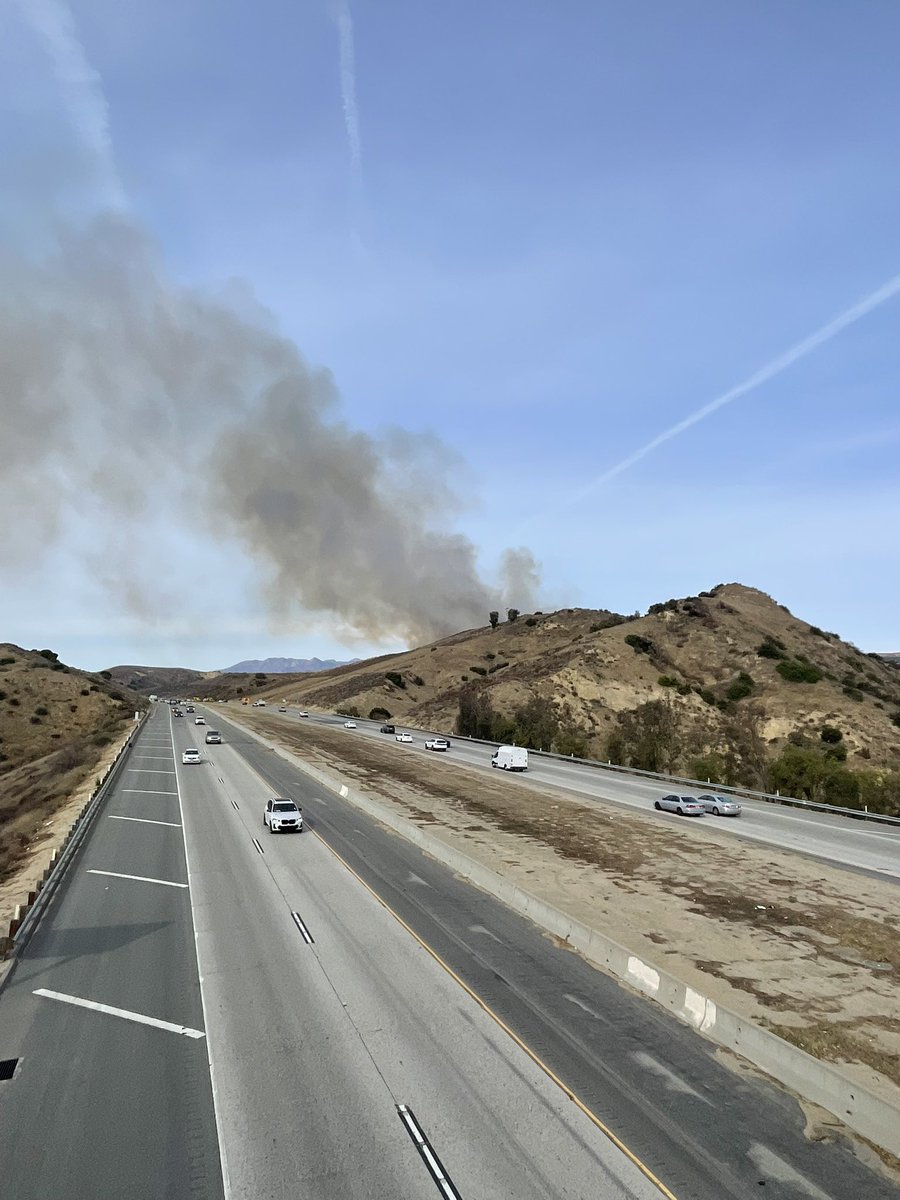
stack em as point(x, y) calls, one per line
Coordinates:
point(177, 712)
point(721, 806)
point(213, 737)
point(303, 714)
point(199, 721)
point(282, 708)
point(437, 743)
point(389, 729)
point(403, 737)
point(510, 758)
point(190, 708)
point(685, 806)
point(190, 756)
point(349, 724)
point(282, 815)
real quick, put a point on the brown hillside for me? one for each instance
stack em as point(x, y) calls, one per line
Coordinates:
point(55, 724)
point(161, 681)
point(689, 653)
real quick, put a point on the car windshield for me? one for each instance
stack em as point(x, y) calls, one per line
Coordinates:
point(284, 806)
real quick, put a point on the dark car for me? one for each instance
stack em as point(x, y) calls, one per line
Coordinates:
point(177, 713)
point(388, 729)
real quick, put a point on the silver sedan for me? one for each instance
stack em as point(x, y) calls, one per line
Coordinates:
point(685, 806)
point(721, 806)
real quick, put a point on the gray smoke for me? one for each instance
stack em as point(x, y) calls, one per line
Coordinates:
point(153, 411)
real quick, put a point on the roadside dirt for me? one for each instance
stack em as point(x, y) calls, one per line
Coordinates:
point(810, 951)
point(42, 829)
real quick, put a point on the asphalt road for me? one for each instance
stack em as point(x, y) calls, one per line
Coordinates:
point(103, 1105)
point(703, 1129)
point(353, 998)
point(842, 841)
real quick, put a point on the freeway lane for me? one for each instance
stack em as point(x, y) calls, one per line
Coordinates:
point(316, 1044)
point(701, 1127)
point(101, 1105)
point(832, 838)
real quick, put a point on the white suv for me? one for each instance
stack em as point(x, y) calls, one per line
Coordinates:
point(190, 756)
point(283, 816)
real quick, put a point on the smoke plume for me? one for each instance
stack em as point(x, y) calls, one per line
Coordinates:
point(126, 396)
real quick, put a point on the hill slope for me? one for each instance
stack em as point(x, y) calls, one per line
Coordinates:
point(733, 677)
point(161, 681)
point(283, 666)
point(55, 723)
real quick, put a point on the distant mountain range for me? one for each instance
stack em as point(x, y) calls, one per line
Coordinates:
point(285, 666)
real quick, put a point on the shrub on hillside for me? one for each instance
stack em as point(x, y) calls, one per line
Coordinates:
point(895, 719)
point(418, 680)
point(830, 734)
point(640, 645)
point(478, 670)
point(531, 621)
point(6, 661)
point(379, 714)
point(395, 678)
point(512, 614)
point(853, 693)
point(740, 687)
point(667, 681)
point(349, 710)
point(810, 775)
point(769, 649)
point(795, 671)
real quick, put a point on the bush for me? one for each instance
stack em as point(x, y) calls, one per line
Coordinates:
point(831, 735)
point(895, 719)
point(494, 619)
point(810, 775)
point(464, 678)
point(349, 710)
point(497, 667)
point(379, 714)
point(512, 614)
point(395, 678)
point(85, 691)
point(49, 655)
point(640, 645)
point(40, 711)
point(853, 693)
point(418, 680)
point(667, 681)
point(35, 720)
point(532, 621)
point(795, 671)
point(478, 670)
point(100, 739)
point(490, 654)
point(106, 674)
point(740, 687)
point(6, 661)
point(707, 695)
point(770, 649)
point(684, 689)
point(73, 708)
point(817, 632)
point(14, 703)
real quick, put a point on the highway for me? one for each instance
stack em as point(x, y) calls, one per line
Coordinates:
point(352, 998)
point(834, 839)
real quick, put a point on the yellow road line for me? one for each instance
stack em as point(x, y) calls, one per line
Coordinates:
point(592, 1116)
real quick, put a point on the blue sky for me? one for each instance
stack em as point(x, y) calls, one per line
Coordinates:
point(571, 226)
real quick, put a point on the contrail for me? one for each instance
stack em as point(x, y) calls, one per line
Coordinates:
point(800, 350)
point(81, 88)
point(340, 11)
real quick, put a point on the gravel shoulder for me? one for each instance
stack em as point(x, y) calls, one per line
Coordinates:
point(807, 950)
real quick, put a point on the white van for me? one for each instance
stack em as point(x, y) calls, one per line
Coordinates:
point(510, 758)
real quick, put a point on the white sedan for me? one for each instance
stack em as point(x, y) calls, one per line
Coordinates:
point(349, 724)
point(199, 721)
point(403, 737)
point(190, 756)
point(437, 744)
point(685, 806)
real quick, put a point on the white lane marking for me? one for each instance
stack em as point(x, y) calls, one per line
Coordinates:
point(673, 1082)
point(147, 792)
point(255, 842)
point(301, 925)
point(236, 806)
point(213, 1071)
point(434, 1165)
point(148, 771)
point(185, 1030)
point(482, 929)
point(154, 757)
point(413, 878)
point(581, 1004)
point(768, 1163)
point(361, 833)
point(144, 821)
point(139, 878)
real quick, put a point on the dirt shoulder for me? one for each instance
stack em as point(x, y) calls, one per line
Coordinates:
point(807, 950)
point(37, 832)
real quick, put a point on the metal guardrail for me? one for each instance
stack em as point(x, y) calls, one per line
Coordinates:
point(859, 814)
point(28, 914)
